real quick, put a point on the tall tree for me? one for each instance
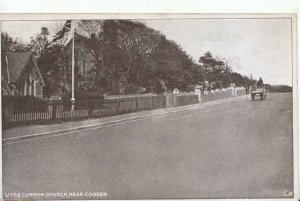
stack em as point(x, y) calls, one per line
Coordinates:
point(53, 61)
point(213, 69)
point(137, 42)
point(54, 64)
point(130, 53)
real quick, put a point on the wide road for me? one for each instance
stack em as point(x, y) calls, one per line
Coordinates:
point(242, 149)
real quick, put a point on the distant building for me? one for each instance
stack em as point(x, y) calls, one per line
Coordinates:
point(84, 60)
point(21, 75)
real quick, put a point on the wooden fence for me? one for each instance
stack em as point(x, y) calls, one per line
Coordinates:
point(32, 111)
point(25, 110)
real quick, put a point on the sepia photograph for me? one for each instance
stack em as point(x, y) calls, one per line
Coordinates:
point(148, 107)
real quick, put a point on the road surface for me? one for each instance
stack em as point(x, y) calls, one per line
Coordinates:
point(242, 149)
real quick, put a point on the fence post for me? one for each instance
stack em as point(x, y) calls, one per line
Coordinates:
point(167, 99)
point(137, 103)
point(118, 105)
point(90, 112)
point(53, 110)
point(197, 91)
point(174, 96)
point(3, 118)
point(152, 98)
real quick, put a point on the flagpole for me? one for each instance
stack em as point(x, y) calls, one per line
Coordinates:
point(73, 67)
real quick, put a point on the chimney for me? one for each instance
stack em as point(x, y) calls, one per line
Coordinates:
point(44, 31)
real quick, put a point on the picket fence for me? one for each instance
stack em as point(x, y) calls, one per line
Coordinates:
point(34, 111)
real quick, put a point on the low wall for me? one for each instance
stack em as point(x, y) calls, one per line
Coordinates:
point(221, 94)
point(184, 98)
point(109, 97)
point(180, 99)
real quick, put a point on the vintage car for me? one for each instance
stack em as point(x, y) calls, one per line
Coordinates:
point(261, 91)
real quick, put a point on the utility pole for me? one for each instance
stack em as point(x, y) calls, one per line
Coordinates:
point(73, 68)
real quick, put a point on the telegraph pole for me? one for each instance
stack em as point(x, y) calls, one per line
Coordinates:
point(73, 68)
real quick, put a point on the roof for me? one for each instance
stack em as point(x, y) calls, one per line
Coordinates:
point(16, 62)
point(38, 71)
point(77, 37)
point(3, 67)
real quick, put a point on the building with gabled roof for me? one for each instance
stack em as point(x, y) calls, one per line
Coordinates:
point(84, 60)
point(21, 75)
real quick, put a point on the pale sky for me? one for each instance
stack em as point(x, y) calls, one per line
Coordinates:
point(261, 47)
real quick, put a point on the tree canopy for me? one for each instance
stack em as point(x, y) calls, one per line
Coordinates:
point(127, 55)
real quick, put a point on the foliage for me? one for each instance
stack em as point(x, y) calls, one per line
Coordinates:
point(53, 62)
point(218, 74)
point(129, 57)
point(279, 88)
point(129, 53)
point(9, 44)
point(214, 70)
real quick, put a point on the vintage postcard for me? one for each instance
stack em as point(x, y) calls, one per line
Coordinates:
point(149, 106)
